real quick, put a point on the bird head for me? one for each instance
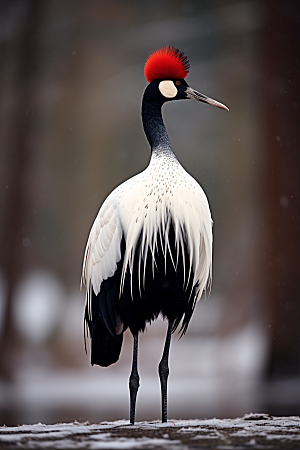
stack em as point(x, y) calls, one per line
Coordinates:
point(166, 70)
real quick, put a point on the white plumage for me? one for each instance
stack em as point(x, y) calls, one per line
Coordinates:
point(145, 205)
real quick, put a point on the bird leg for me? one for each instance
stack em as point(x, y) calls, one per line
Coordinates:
point(134, 380)
point(163, 370)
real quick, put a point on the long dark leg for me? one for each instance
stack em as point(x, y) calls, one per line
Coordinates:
point(163, 370)
point(134, 380)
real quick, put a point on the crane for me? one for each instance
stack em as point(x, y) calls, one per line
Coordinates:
point(149, 251)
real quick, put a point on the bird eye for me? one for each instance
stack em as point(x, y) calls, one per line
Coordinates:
point(178, 83)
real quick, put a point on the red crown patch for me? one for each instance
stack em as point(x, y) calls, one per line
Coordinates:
point(166, 63)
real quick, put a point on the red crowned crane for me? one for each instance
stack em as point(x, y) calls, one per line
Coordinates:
point(149, 251)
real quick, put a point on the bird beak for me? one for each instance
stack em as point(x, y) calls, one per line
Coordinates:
point(191, 93)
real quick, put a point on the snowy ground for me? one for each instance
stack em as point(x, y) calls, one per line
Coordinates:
point(256, 431)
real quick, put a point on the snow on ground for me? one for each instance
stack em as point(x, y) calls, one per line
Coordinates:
point(257, 431)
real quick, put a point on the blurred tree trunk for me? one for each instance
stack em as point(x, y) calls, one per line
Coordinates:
point(281, 184)
point(21, 150)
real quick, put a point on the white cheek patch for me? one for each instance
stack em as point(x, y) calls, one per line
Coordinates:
point(167, 88)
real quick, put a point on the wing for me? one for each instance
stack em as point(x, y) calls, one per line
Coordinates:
point(103, 250)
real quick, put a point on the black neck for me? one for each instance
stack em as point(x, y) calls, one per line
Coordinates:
point(153, 123)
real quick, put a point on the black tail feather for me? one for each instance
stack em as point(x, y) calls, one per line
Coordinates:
point(105, 348)
point(105, 344)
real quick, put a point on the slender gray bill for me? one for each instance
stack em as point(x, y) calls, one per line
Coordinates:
point(191, 93)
